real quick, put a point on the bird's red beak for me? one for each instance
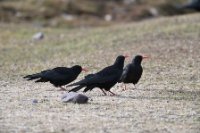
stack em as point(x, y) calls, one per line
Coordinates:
point(126, 56)
point(145, 57)
point(85, 70)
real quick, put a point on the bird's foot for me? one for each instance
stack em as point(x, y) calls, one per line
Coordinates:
point(111, 93)
point(61, 90)
point(134, 87)
point(50, 90)
point(104, 92)
point(124, 88)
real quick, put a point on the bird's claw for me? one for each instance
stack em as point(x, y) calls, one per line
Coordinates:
point(124, 89)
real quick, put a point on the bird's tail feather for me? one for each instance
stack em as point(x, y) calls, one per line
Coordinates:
point(89, 76)
point(33, 76)
point(82, 82)
point(76, 88)
point(74, 84)
point(41, 80)
point(87, 89)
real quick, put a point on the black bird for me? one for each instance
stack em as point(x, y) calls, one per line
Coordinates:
point(104, 79)
point(133, 71)
point(58, 76)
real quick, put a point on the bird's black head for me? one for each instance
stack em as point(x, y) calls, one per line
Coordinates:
point(138, 59)
point(119, 62)
point(78, 69)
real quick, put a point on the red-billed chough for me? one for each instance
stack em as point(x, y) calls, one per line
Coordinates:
point(104, 79)
point(133, 71)
point(58, 76)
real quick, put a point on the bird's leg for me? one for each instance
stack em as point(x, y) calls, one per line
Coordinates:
point(113, 94)
point(124, 87)
point(134, 87)
point(104, 92)
point(62, 89)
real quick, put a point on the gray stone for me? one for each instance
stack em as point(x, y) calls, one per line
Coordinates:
point(34, 101)
point(38, 36)
point(74, 98)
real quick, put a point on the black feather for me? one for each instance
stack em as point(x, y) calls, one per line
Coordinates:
point(104, 79)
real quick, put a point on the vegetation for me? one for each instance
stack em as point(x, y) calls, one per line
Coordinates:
point(76, 13)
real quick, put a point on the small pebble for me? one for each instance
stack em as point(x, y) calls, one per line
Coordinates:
point(34, 101)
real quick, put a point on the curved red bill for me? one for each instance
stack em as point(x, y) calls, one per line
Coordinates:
point(85, 70)
point(145, 56)
point(126, 55)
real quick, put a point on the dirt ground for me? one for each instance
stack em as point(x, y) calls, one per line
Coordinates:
point(167, 98)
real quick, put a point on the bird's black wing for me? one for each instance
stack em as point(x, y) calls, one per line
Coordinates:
point(76, 88)
point(136, 73)
point(55, 76)
point(106, 70)
point(92, 77)
point(125, 73)
point(89, 76)
point(58, 74)
point(81, 86)
point(103, 77)
point(62, 70)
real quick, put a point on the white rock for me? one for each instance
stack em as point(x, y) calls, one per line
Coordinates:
point(108, 17)
point(154, 12)
point(38, 36)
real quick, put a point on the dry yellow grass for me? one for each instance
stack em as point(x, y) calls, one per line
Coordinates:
point(167, 98)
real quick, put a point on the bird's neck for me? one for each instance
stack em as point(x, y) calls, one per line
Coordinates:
point(136, 62)
point(119, 65)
